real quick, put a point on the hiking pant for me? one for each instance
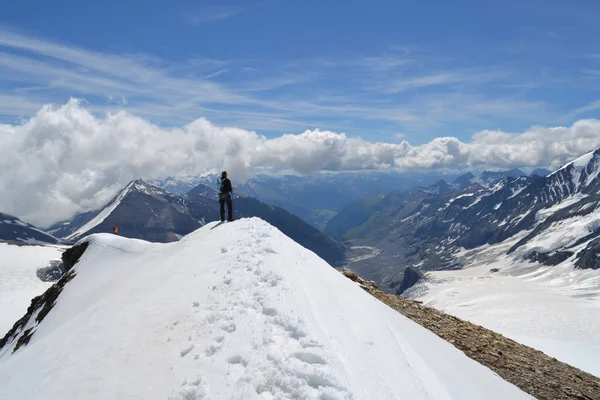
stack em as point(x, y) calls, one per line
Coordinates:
point(229, 208)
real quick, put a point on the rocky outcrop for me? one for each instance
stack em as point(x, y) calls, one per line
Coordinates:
point(52, 273)
point(532, 371)
point(588, 257)
point(549, 258)
point(410, 279)
point(23, 330)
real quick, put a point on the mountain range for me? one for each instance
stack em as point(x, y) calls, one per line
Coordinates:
point(13, 229)
point(313, 197)
point(552, 219)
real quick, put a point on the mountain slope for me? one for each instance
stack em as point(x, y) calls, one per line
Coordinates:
point(13, 229)
point(553, 218)
point(147, 212)
point(19, 282)
point(265, 319)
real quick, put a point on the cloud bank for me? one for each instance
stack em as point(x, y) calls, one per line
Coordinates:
point(66, 160)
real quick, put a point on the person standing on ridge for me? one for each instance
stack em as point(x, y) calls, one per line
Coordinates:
point(226, 196)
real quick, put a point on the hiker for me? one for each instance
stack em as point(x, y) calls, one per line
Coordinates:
point(226, 196)
point(116, 230)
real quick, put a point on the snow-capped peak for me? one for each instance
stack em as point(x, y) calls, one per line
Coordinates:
point(579, 163)
point(144, 187)
point(231, 311)
point(106, 211)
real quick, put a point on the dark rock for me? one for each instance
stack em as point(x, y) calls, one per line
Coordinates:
point(410, 279)
point(494, 270)
point(43, 304)
point(72, 255)
point(51, 273)
point(588, 257)
point(549, 259)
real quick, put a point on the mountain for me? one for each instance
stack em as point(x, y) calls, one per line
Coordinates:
point(360, 210)
point(551, 220)
point(313, 197)
point(200, 318)
point(13, 229)
point(464, 181)
point(490, 178)
point(212, 191)
point(181, 183)
point(147, 212)
point(372, 211)
point(540, 172)
point(65, 228)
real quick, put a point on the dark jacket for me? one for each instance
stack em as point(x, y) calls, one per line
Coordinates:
point(226, 186)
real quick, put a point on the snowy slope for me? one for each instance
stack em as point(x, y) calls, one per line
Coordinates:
point(18, 280)
point(555, 309)
point(102, 215)
point(233, 311)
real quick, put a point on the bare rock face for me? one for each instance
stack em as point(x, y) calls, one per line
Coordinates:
point(410, 279)
point(51, 273)
point(587, 258)
point(72, 255)
point(532, 371)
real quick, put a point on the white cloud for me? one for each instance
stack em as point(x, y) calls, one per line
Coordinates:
point(215, 13)
point(65, 159)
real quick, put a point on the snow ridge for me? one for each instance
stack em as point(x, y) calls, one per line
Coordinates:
point(231, 311)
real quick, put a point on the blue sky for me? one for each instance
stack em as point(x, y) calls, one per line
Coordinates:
point(381, 70)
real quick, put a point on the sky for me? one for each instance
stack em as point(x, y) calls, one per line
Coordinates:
point(93, 95)
point(382, 70)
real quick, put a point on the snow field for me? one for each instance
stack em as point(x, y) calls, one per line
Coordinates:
point(232, 311)
point(553, 309)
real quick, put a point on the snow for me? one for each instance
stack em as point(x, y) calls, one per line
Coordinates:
point(565, 232)
point(18, 280)
point(102, 215)
point(578, 163)
point(584, 160)
point(553, 309)
point(231, 311)
point(546, 212)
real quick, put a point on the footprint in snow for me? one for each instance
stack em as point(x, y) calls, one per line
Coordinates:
point(238, 360)
point(186, 351)
point(229, 328)
point(269, 311)
point(193, 390)
point(310, 358)
point(269, 250)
